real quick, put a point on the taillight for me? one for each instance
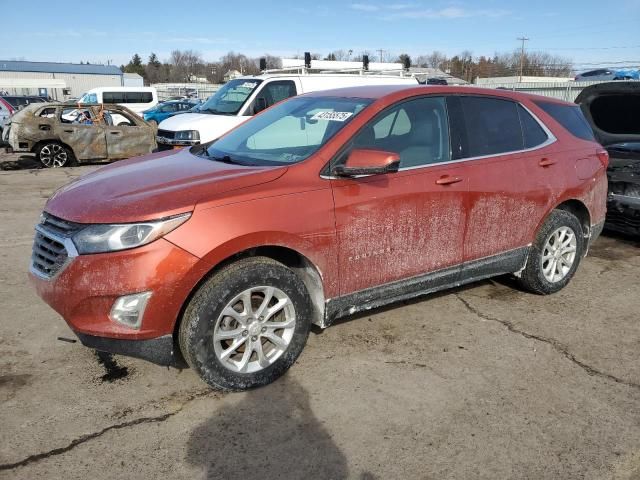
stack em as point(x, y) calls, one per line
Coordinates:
point(603, 156)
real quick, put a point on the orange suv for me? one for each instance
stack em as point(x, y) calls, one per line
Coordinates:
point(225, 254)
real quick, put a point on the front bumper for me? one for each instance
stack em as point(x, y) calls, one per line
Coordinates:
point(85, 289)
point(160, 351)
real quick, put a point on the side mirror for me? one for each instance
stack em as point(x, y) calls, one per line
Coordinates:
point(362, 161)
point(261, 104)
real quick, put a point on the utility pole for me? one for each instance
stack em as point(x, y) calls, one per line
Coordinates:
point(381, 59)
point(522, 39)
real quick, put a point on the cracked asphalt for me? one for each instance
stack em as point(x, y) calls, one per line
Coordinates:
point(484, 382)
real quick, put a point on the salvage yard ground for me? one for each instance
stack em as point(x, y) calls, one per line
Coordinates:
point(481, 382)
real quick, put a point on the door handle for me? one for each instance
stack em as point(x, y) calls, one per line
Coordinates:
point(44, 127)
point(114, 133)
point(68, 131)
point(546, 162)
point(448, 180)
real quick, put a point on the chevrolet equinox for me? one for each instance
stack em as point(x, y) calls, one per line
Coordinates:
point(326, 204)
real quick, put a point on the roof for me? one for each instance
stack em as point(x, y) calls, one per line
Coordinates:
point(376, 92)
point(53, 67)
point(132, 75)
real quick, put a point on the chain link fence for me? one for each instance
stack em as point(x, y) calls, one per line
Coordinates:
point(193, 90)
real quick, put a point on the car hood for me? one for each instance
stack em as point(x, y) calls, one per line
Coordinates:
point(210, 126)
point(153, 186)
point(612, 110)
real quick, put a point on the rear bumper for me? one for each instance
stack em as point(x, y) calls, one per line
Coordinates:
point(596, 230)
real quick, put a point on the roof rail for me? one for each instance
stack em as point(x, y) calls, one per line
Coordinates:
point(301, 70)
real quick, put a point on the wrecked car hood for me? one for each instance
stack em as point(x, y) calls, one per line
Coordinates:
point(209, 126)
point(153, 186)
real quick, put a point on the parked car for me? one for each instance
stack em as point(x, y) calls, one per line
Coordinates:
point(62, 135)
point(612, 110)
point(324, 205)
point(164, 110)
point(136, 99)
point(9, 104)
point(436, 81)
point(237, 100)
point(607, 74)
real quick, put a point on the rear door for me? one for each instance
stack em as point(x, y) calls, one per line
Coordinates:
point(403, 224)
point(511, 175)
point(87, 140)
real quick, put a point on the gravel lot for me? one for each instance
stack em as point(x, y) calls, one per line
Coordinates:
point(480, 382)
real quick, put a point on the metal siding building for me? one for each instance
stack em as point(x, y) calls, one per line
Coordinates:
point(21, 78)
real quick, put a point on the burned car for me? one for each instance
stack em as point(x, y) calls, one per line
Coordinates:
point(62, 135)
point(613, 109)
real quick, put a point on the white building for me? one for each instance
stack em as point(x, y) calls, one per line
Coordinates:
point(57, 80)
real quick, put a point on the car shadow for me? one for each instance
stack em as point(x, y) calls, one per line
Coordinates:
point(271, 432)
point(24, 162)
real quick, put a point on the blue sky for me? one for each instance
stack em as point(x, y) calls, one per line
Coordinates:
point(586, 31)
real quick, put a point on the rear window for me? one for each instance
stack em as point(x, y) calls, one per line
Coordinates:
point(493, 126)
point(617, 114)
point(570, 117)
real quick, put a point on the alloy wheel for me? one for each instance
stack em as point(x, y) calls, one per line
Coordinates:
point(53, 155)
point(559, 254)
point(254, 329)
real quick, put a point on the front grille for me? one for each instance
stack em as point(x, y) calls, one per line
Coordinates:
point(49, 252)
point(48, 256)
point(59, 226)
point(166, 134)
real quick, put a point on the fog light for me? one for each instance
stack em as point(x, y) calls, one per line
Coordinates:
point(129, 309)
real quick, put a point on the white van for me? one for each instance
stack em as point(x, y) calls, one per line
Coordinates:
point(136, 99)
point(239, 99)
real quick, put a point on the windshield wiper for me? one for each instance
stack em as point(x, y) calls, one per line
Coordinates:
point(223, 159)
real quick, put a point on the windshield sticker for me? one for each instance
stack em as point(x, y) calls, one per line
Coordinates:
point(248, 85)
point(332, 116)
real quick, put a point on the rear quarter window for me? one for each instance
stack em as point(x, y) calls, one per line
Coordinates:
point(532, 132)
point(570, 117)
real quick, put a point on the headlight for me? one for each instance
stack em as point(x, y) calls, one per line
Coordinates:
point(187, 135)
point(111, 238)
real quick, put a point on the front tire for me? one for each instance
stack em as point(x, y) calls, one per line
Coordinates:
point(54, 155)
point(246, 325)
point(555, 254)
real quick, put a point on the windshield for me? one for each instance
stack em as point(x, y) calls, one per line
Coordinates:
point(89, 98)
point(288, 132)
point(230, 98)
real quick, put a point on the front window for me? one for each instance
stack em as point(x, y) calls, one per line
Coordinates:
point(89, 98)
point(231, 97)
point(287, 133)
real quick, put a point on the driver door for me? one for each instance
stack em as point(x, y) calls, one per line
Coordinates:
point(399, 225)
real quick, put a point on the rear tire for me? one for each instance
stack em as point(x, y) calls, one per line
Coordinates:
point(52, 154)
point(555, 254)
point(246, 325)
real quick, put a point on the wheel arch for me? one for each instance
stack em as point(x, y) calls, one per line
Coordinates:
point(580, 210)
point(37, 145)
point(291, 258)
point(576, 207)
